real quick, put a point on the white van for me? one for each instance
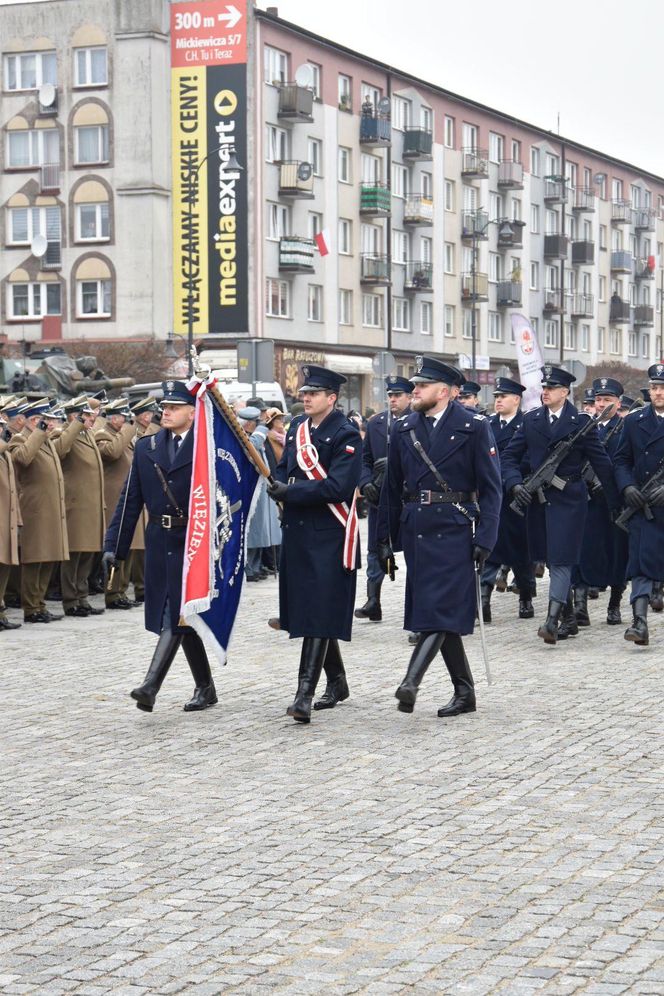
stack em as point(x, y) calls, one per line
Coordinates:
point(232, 390)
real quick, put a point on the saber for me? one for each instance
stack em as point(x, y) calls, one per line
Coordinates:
point(480, 617)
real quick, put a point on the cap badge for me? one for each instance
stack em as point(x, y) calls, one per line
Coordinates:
point(419, 363)
point(603, 382)
point(392, 379)
point(660, 369)
point(548, 370)
point(170, 385)
point(305, 371)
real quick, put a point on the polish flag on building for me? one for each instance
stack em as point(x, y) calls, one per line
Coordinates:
point(322, 240)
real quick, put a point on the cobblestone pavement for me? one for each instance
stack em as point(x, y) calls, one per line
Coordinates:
point(515, 850)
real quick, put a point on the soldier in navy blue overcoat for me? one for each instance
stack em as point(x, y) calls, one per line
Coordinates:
point(160, 480)
point(562, 519)
point(443, 530)
point(374, 461)
point(316, 590)
point(640, 454)
point(512, 547)
point(604, 549)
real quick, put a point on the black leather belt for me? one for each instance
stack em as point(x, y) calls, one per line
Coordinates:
point(169, 521)
point(433, 497)
point(569, 477)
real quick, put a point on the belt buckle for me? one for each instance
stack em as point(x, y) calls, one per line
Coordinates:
point(166, 522)
point(425, 497)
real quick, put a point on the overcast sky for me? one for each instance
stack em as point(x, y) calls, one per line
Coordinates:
point(597, 64)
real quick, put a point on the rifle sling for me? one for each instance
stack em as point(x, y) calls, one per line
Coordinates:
point(421, 452)
point(167, 491)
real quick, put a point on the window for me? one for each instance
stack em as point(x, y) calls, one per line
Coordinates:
point(534, 276)
point(495, 327)
point(315, 78)
point(315, 147)
point(516, 150)
point(495, 267)
point(315, 303)
point(25, 223)
point(277, 298)
point(550, 334)
point(449, 195)
point(449, 132)
point(601, 186)
point(551, 222)
point(372, 311)
point(449, 257)
point(534, 218)
point(496, 206)
point(34, 300)
point(496, 147)
point(345, 236)
point(602, 288)
point(449, 321)
point(616, 341)
point(90, 66)
point(426, 317)
point(29, 148)
point(467, 323)
point(401, 113)
point(370, 93)
point(275, 65)
point(585, 338)
point(345, 307)
point(401, 314)
point(552, 278)
point(426, 249)
point(632, 344)
point(278, 221)
point(427, 185)
point(399, 180)
point(551, 165)
point(276, 144)
point(600, 340)
point(400, 247)
point(91, 144)
point(315, 224)
point(470, 135)
point(516, 209)
point(616, 189)
point(344, 164)
point(93, 298)
point(28, 70)
point(534, 161)
point(370, 166)
point(344, 90)
point(426, 118)
point(92, 222)
point(371, 239)
point(645, 345)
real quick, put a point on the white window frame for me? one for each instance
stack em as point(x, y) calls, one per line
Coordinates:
point(283, 289)
point(88, 82)
point(33, 287)
point(400, 179)
point(315, 224)
point(103, 145)
point(400, 247)
point(316, 73)
point(401, 113)
point(345, 92)
point(370, 168)
point(103, 289)
point(448, 328)
point(276, 144)
point(550, 334)
point(570, 336)
point(534, 219)
point(535, 161)
point(43, 74)
point(602, 288)
point(496, 147)
point(585, 338)
point(345, 237)
point(633, 344)
point(372, 311)
point(46, 224)
point(344, 165)
point(99, 222)
point(467, 328)
point(275, 65)
point(37, 141)
point(315, 155)
point(495, 332)
point(601, 336)
point(315, 303)
point(426, 323)
point(449, 257)
point(534, 275)
point(615, 342)
point(401, 314)
point(449, 132)
point(450, 192)
point(278, 221)
point(345, 306)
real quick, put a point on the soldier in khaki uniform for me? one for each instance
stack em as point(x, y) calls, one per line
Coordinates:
point(42, 503)
point(114, 442)
point(12, 411)
point(143, 412)
point(9, 520)
point(83, 472)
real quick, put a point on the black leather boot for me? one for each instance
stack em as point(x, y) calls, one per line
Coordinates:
point(526, 610)
point(336, 689)
point(657, 597)
point(456, 662)
point(426, 649)
point(371, 609)
point(568, 626)
point(581, 605)
point(6, 624)
point(549, 630)
point(164, 653)
point(613, 617)
point(485, 591)
point(205, 694)
point(638, 631)
point(314, 651)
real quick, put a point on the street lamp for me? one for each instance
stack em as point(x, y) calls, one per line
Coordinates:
point(233, 166)
point(506, 233)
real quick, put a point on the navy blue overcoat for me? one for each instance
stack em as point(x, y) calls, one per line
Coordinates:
point(437, 539)
point(164, 548)
point(557, 528)
point(512, 547)
point(316, 592)
point(639, 455)
point(604, 548)
point(374, 446)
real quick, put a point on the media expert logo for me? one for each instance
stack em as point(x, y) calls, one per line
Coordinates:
point(225, 239)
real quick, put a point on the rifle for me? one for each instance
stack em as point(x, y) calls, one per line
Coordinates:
point(647, 491)
point(545, 476)
point(587, 473)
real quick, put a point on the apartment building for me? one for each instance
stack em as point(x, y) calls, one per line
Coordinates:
point(443, 216)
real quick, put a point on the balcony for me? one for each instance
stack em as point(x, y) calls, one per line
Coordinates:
point(621, 213)
point(644, 268)
point(475, 162)
point(584, 199)
point(508, 293)
point(619, 311)
point(512, 239)
point(583, 253)
point(644, 219)
point(375, 130)
point(510, 175)
point(475, 225)
point(296, 255)
point(555, 246)
point(552, 302)
point(474, 287)
point(418, 210)
point(644, 315)
point(419, 276)
point(555, 192)
point(621, 262)
point(375, 269)
point(296, 179)
point(582, 306)
point(49, 178)
point(417, 144)
point(296, 103)
point(52, 258)
point(375, 200)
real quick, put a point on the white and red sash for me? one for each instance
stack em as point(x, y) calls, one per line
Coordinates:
point(308, 462)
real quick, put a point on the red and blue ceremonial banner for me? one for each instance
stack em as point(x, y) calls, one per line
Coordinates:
point(223, 494)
